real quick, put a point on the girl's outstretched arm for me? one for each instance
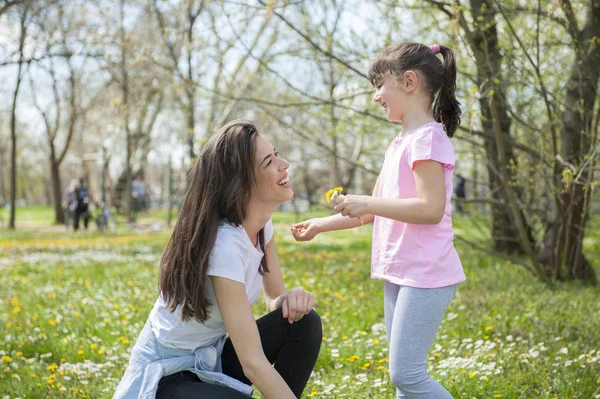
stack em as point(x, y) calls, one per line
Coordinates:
point(241, 327)
point(307, 230)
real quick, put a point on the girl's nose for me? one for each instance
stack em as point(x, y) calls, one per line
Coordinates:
point(376, 98)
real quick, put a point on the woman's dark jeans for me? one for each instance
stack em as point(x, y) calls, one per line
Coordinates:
point(291, 348)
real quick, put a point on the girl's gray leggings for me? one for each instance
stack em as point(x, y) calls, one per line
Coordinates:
point(412, 319)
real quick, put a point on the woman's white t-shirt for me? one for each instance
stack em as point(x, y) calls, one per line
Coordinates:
point(234, 257)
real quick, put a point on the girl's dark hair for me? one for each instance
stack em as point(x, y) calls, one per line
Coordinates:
point(440, 78)
point(219, 188)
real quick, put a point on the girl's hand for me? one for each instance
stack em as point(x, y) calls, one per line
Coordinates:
point(296, 303)
point(352, 205)
point(305, 231)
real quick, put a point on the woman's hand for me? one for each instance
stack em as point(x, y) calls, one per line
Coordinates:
point(305, 231)
point(353, 206)
point(296, 303)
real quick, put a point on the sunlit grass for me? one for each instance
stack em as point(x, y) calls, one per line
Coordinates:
point(72, 306)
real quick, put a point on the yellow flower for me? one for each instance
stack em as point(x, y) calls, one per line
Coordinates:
point(6, 359)
point(333, 194)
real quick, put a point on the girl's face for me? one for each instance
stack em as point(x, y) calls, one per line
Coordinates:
point(391, 97)
point(272, 181)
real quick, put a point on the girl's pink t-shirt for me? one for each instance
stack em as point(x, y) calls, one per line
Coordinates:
point(415, 255)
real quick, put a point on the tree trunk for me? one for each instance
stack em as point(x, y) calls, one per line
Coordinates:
point(191, 122)
point(128, 203)
point(563, 243)
point(59, 215)
point(505, 237)
point(13, 122)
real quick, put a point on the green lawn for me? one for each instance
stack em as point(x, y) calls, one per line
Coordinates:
point(72, 306)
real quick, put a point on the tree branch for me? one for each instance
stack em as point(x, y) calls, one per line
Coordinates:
point(315, 45)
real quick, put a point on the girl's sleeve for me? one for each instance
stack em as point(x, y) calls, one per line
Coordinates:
point(431, 144)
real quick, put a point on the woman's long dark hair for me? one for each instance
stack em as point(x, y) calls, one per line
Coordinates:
point(219, 188)
point(440, 77)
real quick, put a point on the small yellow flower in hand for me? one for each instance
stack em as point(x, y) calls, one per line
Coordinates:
point(333, 194)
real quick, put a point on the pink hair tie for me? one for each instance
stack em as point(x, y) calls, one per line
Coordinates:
point(435, 48)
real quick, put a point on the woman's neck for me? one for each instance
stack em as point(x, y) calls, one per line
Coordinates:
point(256, 218)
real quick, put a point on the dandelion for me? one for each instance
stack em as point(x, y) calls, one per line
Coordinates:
point(333, 193)
point(6, 359)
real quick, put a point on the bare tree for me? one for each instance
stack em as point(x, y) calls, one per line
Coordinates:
point(24, 21)
point(5, 5)
point(71, 107)
point(328, 95)
point(179, 36)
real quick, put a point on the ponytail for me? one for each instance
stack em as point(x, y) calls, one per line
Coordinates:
point(446, 109)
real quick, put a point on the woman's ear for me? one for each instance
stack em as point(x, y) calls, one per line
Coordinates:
point(410, 81)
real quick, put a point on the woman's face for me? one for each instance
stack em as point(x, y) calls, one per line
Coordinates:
point(272, 182)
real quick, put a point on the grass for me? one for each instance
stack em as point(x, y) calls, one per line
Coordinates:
point(72, 306)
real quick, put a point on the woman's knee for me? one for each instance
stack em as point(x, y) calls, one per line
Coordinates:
point(311, 325)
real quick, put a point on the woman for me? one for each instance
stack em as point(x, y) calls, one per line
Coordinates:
point(220, 253)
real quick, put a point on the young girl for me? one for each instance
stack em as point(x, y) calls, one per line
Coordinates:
point(220, 253)
point(410, 208)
